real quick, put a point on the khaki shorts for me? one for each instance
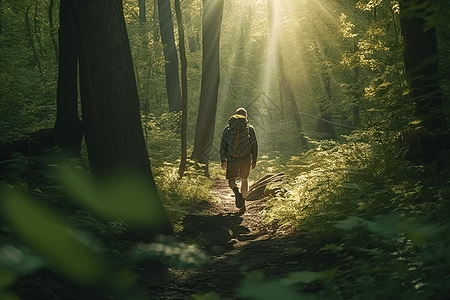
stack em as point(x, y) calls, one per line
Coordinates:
point(238, 167)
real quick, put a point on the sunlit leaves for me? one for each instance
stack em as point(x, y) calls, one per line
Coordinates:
point(371, 4)
point(346, 27)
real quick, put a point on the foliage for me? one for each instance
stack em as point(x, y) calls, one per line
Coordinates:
point(382, 218)
point(373, 68)
point(28, 89)
point(61, 236)
point(163, 142)
point(177, 193)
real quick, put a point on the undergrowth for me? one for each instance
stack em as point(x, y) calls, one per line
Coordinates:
point(177, 194)
point(383, 220)
point(389, 217)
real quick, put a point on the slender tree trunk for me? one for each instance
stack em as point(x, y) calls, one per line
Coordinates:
point(32, 45)
point(204, 131)
point(170, 53)
point(37, 30)
point(68, 129)
point(322, 125)
point(155, 21)
point(110, 103)
point(142, 14)
point(284, 83)
point(52, 29)
point(1, 19)
point(183, 88)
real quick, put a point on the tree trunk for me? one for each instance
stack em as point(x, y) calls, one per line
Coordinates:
point(32, 45)
point(68, 129)
point(324, 103)
point(142, 15)
point(284, 83)
point(183, 88)
point(422, 67)
point(52, 29)
point(110, 104)
point(170, 53)
point(204, 131)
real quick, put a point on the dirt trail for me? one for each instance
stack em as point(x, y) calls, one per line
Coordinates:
point(236, 245)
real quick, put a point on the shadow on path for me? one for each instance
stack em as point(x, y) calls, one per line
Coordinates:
point(236, 244)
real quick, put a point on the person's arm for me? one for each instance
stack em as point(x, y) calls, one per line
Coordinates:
point(254, 146)
point(223, 146)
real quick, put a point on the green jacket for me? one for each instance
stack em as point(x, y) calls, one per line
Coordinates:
point(224, 145)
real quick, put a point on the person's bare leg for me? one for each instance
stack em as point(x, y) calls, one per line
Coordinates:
point(232, 183)
point(244, 187)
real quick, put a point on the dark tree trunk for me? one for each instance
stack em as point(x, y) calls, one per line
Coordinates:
point(170, 53)
point(183, 88)
point(142, 15)
point(326, 127)
point(204, 131)
point(1, 20)
point(322, 125)
point(110, 104)
point(68, 129)
point(422, 67)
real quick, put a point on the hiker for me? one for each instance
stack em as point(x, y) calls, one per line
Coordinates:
point(238, 154)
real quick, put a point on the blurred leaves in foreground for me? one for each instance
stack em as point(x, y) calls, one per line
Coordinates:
point(39, 237)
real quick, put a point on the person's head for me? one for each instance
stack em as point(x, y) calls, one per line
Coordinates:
point(241, 111)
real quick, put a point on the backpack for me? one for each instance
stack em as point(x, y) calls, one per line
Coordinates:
point(238, 137)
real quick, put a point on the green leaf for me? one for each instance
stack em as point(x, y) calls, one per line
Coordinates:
point(7, 279)
point(47, 234)
point(20, 260)
point(122, 197)
point(301, 277)
point(350, 223)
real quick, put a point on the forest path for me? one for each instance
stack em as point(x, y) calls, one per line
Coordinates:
point(236, 245)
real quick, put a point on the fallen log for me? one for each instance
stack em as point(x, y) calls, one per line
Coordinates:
point(258, 189)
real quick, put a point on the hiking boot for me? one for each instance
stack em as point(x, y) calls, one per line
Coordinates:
point(239, 199)
point(243, 208)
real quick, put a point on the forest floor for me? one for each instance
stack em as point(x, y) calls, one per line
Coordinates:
point(237, 244)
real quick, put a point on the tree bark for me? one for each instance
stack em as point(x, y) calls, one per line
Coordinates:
point(170, 53)
point(422, 68)
point(68, 128)
point(142, 14)
point(322, 126)
point(110, 104)
point(183, 88)
point(204, 131)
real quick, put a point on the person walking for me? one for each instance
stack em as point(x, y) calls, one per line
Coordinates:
point(238, 154)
